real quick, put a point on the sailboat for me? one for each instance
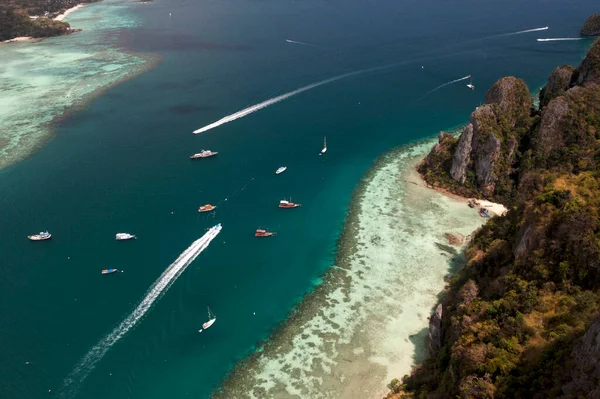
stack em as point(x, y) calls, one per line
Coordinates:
point(470, 85)
point(211, 320)
point(324, 150)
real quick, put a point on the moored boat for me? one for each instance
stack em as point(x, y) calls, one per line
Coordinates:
point(288, 204)
point(281, 169)
point(109, 271)
point(206, 208)
point(263, 233)
point(211, 320)
point(44, 235)
point(203, 154)
point(124, 236)
point(324, 150)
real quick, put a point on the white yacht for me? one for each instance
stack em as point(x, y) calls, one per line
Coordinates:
point(204, 154)
point(211, 320)
point(324, 150)
point(124, 236)
point(281, 169)
point(44, 235)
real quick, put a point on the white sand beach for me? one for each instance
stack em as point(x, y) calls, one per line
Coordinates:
point(67, 12)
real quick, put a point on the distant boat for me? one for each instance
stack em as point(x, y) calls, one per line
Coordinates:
point(109, 271)
point(206, 208)
point(44, 235)
point(324, 150)
point(288, 204)
point(263, 233)
point(124, 236)
point(204, 154)
point(470, 84)
point(211, 320)
point(281, 169)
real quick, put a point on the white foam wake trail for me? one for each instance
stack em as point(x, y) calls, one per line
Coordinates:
point(296, 42)
point(559, 39)
point(271, 101)
point(446, 84)
point(519, 32)
point(161, 285)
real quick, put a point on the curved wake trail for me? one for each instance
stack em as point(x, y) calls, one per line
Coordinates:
point(271, 101)
point(519, 32)
point(559, 39)
point(303, 43)
point(446, 84)
point(161, 285)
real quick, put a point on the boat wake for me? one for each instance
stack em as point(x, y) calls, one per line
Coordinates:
point(518, 32)
point(302, 43)
point(559, 39)
point(161, 285)
point(446, 84)
point(271, 101)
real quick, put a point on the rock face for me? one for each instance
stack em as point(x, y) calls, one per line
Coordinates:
point(558, 82)
point(435, 331)
point(512, 96)
point(591, 26)
point(462, 155)
point(589, 70)
point(585, 370)
point(550, 135)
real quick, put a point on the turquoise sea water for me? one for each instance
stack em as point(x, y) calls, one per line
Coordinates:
point(122, 164)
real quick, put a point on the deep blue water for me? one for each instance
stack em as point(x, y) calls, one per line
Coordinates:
point(122, 164)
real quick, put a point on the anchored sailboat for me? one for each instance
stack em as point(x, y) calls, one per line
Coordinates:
point(324, 150)
point(211, 320)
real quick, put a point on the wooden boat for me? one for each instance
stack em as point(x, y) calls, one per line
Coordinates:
point(206, 208)
point(288, 204)
point(109, 271)
point(263, 233)
point(44, 235)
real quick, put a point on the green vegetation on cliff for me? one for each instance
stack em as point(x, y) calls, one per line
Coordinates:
point(34, 18)
point(514, 318)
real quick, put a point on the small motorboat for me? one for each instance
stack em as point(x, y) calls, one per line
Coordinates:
point(44, 235)
point(324, 150)
point(263, 233)
point(470, 84)
point(203, 154)
point(288, 204)
point(206, 208)
point(109, 271)
point(211, 320)
point(124, 236)
point(281, 169)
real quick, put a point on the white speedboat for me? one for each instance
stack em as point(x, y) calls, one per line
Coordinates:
point(281, 169)
point(324, 150)
point(124, 236)
point(211, 320)
point(203, 154)
point(470, 84)
point(44, 235)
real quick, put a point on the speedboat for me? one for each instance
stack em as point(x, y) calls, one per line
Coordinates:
point(44, 235)
point(324, 150)
point(470, 84)
point(124, 236)
point(206, 208)
point(263, 233)
point(204, 154)
point(281, 169)
point(211, 320)
point(109, 271)
point(288, 204)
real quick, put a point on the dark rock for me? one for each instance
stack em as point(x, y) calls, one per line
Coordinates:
point(550, 134)
point(591, 26)
point(558, 82)
point(485, 147)
point(585, 365)
point(435, 331)
point(512, 96)
point(588, 71)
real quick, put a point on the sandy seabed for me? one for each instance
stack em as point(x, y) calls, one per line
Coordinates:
point(367, 322)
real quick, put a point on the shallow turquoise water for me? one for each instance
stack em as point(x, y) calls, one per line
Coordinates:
point(122, 165)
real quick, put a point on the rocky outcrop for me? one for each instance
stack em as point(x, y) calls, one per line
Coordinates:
point(550, 134)
point(558, 83)
point(462, 155)
point(513, 98)
point(591, 26)
point(585, 365)
point(435, 331)
point(485, 147)
point(589, 71)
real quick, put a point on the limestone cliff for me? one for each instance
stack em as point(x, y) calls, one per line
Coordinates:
point(591, 26)
point(589, 70)
point(558, 82)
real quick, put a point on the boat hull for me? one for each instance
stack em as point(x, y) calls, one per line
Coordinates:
point(109, 271)
point(209, 323)
point(39, 238)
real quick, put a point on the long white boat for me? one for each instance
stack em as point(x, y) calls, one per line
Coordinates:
point(281, 169)
point(44, 235)
point(211, 320)
point(204, 154)
point(124, 236)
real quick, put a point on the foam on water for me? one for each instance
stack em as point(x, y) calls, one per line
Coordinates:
point(41, 81)
point(366, 323)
